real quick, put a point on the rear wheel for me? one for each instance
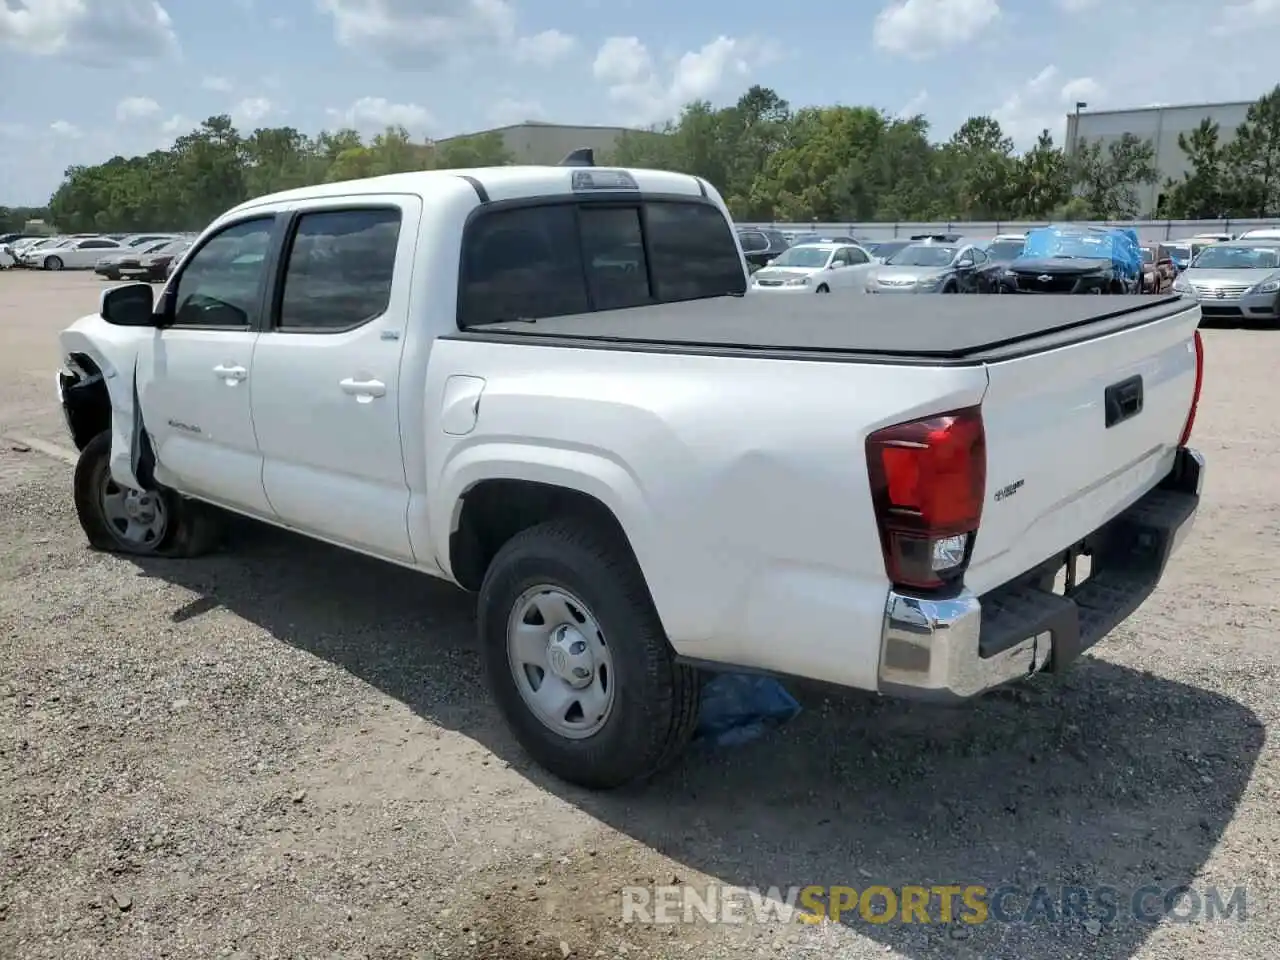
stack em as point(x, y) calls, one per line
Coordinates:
point(577, 659)
point(117, 519)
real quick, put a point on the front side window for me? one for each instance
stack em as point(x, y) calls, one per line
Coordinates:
point(339, 269)
point(221, 283)
point(561, 259)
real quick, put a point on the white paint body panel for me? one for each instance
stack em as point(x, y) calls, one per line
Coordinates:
point(740, 482)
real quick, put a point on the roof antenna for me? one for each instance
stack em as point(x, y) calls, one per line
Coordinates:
point(582, 157)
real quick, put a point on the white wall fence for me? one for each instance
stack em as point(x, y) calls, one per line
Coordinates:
point(1151, 231)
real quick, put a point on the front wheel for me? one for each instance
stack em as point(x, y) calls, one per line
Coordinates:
point(53, 263)
point(117, 519)
point(577, 659)
point(823, 288)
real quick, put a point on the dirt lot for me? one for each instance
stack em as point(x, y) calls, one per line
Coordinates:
point(285, 751)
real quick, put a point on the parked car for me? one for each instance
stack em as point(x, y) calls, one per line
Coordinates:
point(667, 500)
point(114, 265)
point(142, 239)
point(1239, 279)
point(1072, 258)
point(1158, 271)
point(1002, 251)
point(820, 238)
point(814, 268)
point(930, 267)
point(1261, 233)
point(154, 266)
point(1182, 252)
point(761, 246)
point(74, 254)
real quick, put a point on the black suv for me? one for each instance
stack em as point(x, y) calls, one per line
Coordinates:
point(761, 246)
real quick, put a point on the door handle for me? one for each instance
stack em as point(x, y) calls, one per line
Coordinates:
point(363, 389)
point(230, 374)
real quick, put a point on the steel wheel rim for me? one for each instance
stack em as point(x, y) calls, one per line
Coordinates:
point(135, 518)
point(560, 661)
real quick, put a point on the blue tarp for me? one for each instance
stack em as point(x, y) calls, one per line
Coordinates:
point(1118, 244)
point(738, 707)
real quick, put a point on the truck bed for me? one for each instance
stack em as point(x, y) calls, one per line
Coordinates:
point(920, 328)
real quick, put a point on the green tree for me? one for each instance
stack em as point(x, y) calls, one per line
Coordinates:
point(1252, 180)
point(1106, 179)
point(1199, 194)
point(769, 161)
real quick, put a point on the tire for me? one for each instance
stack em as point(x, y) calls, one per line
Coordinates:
point(653, 705)
point(53, 263)
point(823, 288)
point(188, 528)
point(949, 288)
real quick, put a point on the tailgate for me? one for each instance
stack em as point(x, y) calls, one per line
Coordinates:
point(1056, 471)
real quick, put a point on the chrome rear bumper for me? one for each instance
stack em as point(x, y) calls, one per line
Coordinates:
point(957, 647)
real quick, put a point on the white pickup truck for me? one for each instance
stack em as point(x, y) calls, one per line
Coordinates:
point(545, 384)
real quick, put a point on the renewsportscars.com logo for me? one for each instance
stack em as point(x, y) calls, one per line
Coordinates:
point(942, 904)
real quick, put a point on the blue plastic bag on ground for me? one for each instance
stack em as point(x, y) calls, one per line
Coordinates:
point(738, 707)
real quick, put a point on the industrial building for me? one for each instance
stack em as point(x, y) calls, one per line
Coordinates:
point(548, 143)
point(1161, 125)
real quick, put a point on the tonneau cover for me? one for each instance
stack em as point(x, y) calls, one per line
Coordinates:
point(927, 326)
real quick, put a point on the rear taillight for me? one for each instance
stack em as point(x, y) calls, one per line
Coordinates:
point(928, 481)
point(1195, 394)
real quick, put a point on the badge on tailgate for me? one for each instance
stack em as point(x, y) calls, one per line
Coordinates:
point(1123, 400)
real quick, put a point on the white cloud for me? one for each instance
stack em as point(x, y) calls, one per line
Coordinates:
point(913, 106)
point(510, 110)
point(64, 129)
point(1246, 17)
point(94, 34)
point(375, 114)
point(422, 34)
point(216, 84)
point(1043, 102)
point(545, 48)
point(918, 29)
point(133, 109)
point(651, 93)
point(1078, 6)
point(250, 111)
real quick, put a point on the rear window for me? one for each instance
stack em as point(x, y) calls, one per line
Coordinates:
point(554, 260)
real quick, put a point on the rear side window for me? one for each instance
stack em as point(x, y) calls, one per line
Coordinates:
point(339, 269)
point(552, 260)
point(753, 242)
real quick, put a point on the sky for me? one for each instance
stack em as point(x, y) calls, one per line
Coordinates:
point(83, 80)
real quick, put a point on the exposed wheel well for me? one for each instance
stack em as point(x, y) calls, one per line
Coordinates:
point(494, 511)
point(87, 402)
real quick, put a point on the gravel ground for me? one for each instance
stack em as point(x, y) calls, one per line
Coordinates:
point(285, 750)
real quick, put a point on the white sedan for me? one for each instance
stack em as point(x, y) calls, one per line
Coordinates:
point(81, 254)
point(814, 268)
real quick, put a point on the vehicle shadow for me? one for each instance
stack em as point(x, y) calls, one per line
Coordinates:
point(1107, 777)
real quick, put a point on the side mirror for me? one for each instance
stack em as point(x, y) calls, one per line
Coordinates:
point(131, 305)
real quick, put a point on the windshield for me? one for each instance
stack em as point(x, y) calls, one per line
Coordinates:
point(1005, 249)
point(1148, 256)
point(923, 255)
point(1070, 245)
point(172, 246)
point(889, 247)
point(154, 246)
point(1184, 251)
point(1221, 256)
point(802, 257)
